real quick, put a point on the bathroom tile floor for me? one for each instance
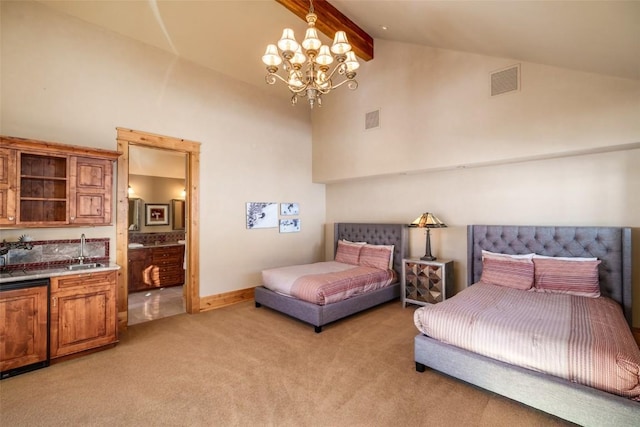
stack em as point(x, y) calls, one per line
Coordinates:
point(155, 304)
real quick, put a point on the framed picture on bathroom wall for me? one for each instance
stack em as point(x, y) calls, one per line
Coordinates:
point(156, 214)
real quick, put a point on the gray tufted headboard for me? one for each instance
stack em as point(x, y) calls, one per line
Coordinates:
point(611, 245)
point(376, 234)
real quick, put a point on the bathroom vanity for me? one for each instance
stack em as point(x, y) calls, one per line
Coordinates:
point(155, 266)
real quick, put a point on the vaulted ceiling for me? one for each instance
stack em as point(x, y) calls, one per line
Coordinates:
point(230, 36)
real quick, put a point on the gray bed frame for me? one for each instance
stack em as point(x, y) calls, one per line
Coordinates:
point(320, 315)
point(573, 402)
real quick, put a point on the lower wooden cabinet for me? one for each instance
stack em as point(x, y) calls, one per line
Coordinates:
point(83, 312)
point(155, 267)
point(23, 328)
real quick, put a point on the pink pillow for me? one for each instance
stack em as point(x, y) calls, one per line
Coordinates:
point(508, 272)
point(376, 256)
point(348, 253)
point(567, 277)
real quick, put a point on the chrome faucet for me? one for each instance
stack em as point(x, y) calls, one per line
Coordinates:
point(82, 243)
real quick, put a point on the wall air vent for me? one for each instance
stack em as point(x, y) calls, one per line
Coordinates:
point(372, 120)
point(505, 80)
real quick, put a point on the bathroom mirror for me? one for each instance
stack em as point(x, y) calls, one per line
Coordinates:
point(134, 214)
point(177, 214)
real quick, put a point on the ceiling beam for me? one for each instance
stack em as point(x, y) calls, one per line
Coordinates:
point(331, 20)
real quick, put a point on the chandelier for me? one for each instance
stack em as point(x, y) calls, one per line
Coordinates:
point(308, 73)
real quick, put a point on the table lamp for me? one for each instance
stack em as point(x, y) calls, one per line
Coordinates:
point(428, 220)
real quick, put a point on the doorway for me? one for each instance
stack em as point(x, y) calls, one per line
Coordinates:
point(129, 141)
point(156, 277)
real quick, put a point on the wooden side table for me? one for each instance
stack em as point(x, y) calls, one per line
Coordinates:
point(425, 282)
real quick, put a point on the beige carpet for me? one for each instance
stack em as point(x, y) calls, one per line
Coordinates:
point(254, 367)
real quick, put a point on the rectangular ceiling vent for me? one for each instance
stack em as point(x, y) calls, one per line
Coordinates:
point(372, 120)
point(505, 80)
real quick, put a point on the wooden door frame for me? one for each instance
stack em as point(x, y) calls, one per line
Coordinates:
point(125, 139)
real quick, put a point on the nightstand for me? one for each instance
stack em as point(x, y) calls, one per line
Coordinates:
point(425, 282)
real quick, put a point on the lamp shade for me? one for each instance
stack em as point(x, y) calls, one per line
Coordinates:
point(311, 40)
point(324, 56)
point(352, 61)
point(298, 57)
point(428, 220)
point(271, 56)
point(340, 44)
point(288, 41)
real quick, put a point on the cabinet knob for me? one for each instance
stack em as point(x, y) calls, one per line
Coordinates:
point(11, 218)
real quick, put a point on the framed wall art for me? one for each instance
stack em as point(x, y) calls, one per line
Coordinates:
point(156, 214)
point(289, 225)
point(262, 215)
point(289, 209)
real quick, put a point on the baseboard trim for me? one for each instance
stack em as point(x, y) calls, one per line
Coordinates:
point(213, 302)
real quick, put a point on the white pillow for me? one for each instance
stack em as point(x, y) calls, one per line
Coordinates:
point(354, 243)
point(487, 254)
point(561, 258)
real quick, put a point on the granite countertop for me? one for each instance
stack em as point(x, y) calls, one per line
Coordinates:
point(153, 245)
point(20, 275)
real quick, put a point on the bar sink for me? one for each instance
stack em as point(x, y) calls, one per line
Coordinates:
point(88, 266)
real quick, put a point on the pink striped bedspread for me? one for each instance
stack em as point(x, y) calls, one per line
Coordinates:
point(584, 340)
point(326, 282)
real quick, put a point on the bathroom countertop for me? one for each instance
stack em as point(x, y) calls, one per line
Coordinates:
point(153, 245)
point(19, 275)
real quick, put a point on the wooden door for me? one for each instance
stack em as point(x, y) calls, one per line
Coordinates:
point(23, 327)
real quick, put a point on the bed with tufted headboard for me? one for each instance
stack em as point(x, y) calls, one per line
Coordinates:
point(566, 399)
point(320, 315)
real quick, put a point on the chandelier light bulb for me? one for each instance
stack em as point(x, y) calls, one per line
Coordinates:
point(294, 79)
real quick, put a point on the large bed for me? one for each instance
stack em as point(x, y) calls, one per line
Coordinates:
point(564, 398)
point(319, 315)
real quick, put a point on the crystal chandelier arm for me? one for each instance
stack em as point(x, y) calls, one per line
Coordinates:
point(270, 78)
point(351, 84)
point(341, 68)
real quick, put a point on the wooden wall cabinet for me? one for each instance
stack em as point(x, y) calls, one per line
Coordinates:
point(155, 267)
point(23, 327)
point(90, 190)
point(83, 312)
point(54, 185)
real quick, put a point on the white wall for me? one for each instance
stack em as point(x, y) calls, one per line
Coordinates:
point(439, 125)
point(67, 81)
point(436, 112)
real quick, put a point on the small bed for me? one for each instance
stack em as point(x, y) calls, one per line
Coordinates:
point(325, 311)
point(564, 398)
